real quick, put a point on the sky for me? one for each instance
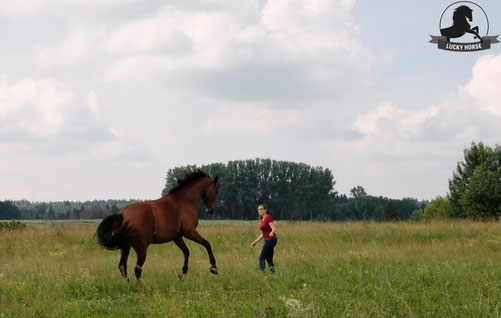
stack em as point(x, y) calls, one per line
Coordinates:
point(99, 98)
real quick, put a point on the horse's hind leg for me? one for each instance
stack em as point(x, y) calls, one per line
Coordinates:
point(141, 258)
point(180, 243)
point(474, 31)
point(122, 266)
point(196, 237)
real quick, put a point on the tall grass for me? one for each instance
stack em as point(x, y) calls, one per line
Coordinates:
point(437, 269)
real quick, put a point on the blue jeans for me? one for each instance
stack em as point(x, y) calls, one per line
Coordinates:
point(267, 254)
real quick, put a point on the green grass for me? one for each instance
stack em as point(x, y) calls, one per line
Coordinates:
point(11, 225)
point(437, 269)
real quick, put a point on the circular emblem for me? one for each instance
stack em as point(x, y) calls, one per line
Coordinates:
point(464, 21)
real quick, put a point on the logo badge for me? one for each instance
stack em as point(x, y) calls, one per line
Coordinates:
point(457, 32)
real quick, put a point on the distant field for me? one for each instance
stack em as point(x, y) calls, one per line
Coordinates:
point(438, 269)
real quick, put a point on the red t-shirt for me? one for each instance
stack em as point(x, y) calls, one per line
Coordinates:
point(266, 228)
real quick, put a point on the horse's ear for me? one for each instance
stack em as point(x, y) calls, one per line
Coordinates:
point(215, 179)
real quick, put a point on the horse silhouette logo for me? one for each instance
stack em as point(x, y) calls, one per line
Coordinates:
point(462, 16)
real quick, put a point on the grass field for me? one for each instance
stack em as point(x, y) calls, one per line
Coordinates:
point(437, 269)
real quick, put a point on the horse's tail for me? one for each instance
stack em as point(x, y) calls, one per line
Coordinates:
point(110, 233)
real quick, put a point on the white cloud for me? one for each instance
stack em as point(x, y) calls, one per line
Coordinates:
point(28, 8)
point(472, 113)
point(81, 44)
point(298, 16)
point(254, 119)
point(93, 102)
point(313, 44)
point(33, 108)
point(121, 148)
point(46, 109)
point(484, 86)
point(394, 143)
point(387, 117)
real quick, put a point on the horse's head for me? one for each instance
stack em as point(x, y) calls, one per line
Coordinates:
point(463, 11)
point(209, 196)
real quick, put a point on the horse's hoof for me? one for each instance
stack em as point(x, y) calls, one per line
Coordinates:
point(180, 276)
point(213, 270)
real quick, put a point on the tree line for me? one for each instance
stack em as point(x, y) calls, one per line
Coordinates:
point(296, 191)
point(61, 210)
point(291, 191)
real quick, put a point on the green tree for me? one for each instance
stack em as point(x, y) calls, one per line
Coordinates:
point(390, 211)
point(482, 197)
point(439, 208)
point(51, 215)
point(78, 211)
point(379, 213)
point(114, 209)
point(290, 190)
point(8, 211)
point(475, 186)
point(40, 210)
point(358, 192)
point(406, 206)
point(67, 208)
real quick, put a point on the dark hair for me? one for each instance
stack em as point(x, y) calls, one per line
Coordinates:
point(259, 217)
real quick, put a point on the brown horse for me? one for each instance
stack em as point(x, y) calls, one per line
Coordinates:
point(154, 222)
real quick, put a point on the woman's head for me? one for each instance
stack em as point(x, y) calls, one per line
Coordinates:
point(261, 210)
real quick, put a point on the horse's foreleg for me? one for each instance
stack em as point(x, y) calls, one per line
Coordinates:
point(196, 237)
point(122, 266)
point(180, 243)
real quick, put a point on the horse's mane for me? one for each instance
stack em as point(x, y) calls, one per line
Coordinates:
point(460, 12)
point(188, 179)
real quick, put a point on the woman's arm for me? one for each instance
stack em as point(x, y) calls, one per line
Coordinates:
point(259, 238)
point(273, 229)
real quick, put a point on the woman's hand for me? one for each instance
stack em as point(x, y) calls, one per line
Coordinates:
point(259, 238)
point(273, 230)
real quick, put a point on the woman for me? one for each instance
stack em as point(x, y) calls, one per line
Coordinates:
point(268, 232)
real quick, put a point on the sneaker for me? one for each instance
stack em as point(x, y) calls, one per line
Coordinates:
point(272, 269)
